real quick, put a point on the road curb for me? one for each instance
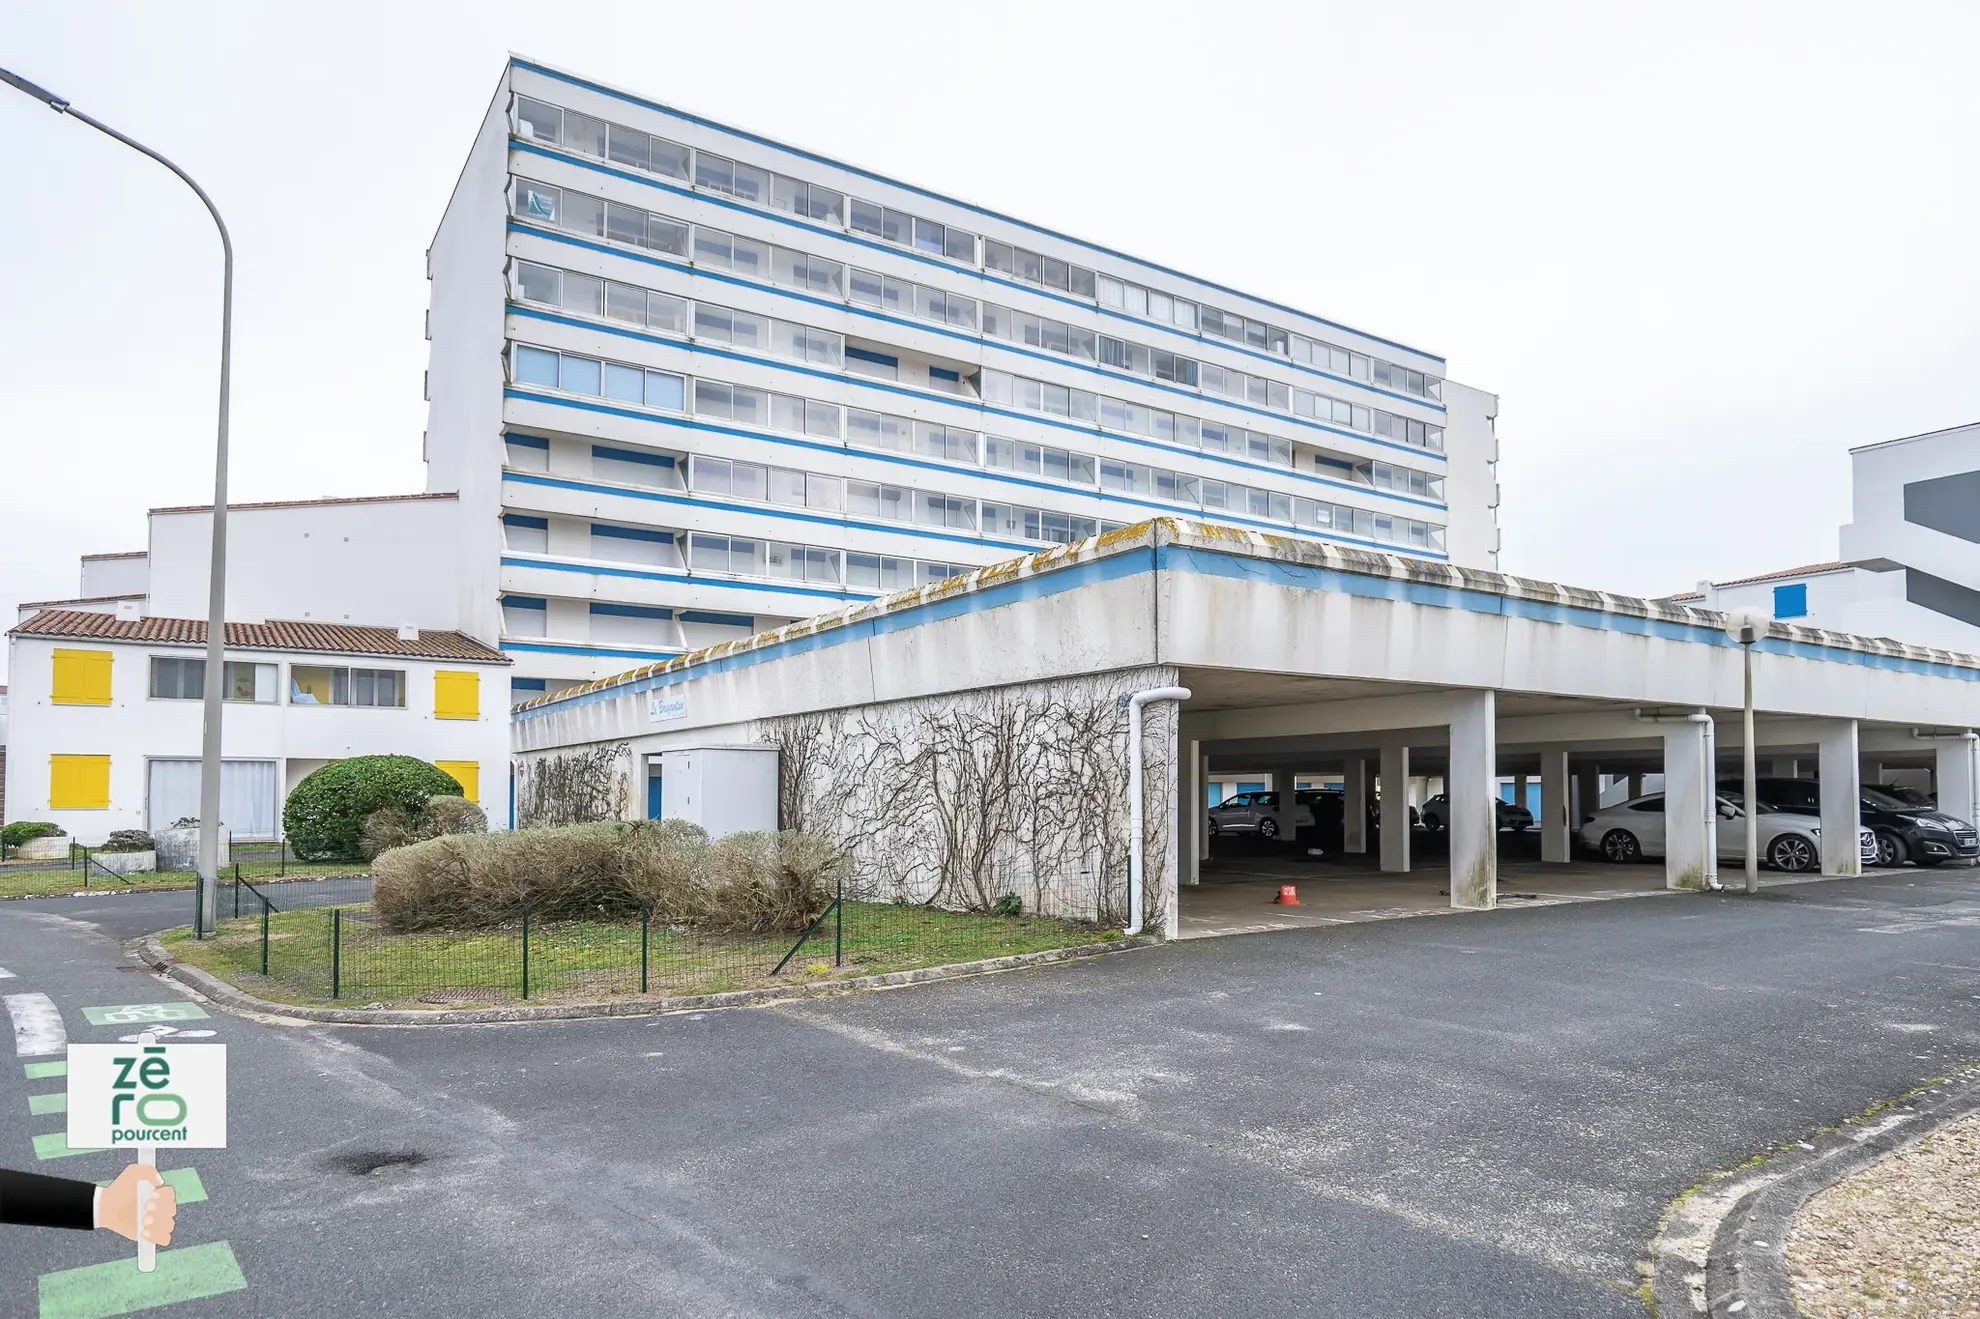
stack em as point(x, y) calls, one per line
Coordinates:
point(150, 952)
point(1745, 1271)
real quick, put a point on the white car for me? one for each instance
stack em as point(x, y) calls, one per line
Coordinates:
point(1789, 840)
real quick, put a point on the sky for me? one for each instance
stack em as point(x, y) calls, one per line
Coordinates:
point(1699, 250)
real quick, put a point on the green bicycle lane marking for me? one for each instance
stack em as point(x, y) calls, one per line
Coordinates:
point(55, 1145)
point(43, 1071)
point(185, 1183)
point(137, 1014)
point(41, 1105)
point(99, 1291)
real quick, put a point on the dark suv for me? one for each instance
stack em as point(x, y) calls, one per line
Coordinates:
point(1904, 832)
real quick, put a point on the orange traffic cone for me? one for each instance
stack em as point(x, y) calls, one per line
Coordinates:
point(1288, 897)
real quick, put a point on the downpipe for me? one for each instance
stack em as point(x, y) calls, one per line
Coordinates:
point(1710, 749)
point(1134, 704)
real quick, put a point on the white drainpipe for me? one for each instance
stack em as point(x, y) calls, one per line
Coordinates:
point(1135, 702)
point(1711, 749)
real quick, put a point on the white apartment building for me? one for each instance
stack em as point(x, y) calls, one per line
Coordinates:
point(342, 641)
point(691, 384)
point(1909, 560)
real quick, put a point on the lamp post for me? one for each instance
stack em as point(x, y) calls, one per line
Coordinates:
point(1747, 626)
point(216, 605)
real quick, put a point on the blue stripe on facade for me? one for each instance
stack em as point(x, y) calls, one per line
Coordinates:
point(534, 648)
point(941, 397)
point(631, 456)
point(1183, 558)
point(974, 340)
point(528, 441)
point(632, 533)
point(908, 529)
point(632, 611)
point(720, 620)
point(950, 201)
point(727, 583)
point(524, 602)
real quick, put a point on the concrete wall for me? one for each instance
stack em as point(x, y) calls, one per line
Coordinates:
point(1471, 486)
point(373, 562)
point(114, 574)
point(135, 728)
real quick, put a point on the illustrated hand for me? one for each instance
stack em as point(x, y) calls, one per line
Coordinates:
point(117, 1208)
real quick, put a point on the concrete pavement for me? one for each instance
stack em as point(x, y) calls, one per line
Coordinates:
point(1478, 1115)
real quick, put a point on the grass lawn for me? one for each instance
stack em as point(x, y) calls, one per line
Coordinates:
point(61, 883)
point(583, 961)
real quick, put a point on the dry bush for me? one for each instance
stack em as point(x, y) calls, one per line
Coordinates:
point(389, 827)
point(746, 883)
point(385, 829)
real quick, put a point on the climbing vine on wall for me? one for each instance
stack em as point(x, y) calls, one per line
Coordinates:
point(575, 787)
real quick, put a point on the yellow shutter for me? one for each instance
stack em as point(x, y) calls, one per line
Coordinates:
point(78, 783)
point(82, 677)
point(467, 773)
point(456, 695)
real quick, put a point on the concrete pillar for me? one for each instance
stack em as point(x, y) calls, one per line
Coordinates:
point(1287, 811)
point(1202, 812)
point(1635, 787)
point(1688, 795)
point(1956, 777)
point(1473, 785)
point(1587, 796)
point(1395, 807)
point(1842, 797)
point(1782, 767)
point(1354, 806)
point(1191, 824)
point(1519, 790)
point(1556, 830)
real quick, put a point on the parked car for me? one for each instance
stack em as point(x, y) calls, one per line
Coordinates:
point(1258, 813)
point(1513, 816)
point(1910, 796)
point(1789, 840)
point(1904, 832)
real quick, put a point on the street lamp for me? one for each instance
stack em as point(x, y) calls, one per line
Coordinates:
point(216, 606)
point(1747, 625)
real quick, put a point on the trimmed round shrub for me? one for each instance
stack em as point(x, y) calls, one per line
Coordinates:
point(20, 831)
point(389, 827)
point(127, 840)
point(324, 817)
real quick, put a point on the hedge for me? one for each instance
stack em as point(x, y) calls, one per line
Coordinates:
point(324, 817)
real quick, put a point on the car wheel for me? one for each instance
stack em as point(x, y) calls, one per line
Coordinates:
point(1793, 853)
point(1215, 828)
point(1268, 828)
point(1621, 847)
point(1433, 823)
point(1891, 850)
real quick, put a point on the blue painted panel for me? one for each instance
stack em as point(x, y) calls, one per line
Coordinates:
point(653, 796)
point(1251, 787)
point(1216, 793)
point(1791, 601)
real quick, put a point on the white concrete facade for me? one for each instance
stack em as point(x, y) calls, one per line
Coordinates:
point(1909, 561)
point(280, 738)
point(926, 387)
point(1303, 658)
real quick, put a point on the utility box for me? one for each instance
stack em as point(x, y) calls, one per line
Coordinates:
point(724, 789)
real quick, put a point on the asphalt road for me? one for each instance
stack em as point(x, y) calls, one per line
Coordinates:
point(1473, 1115)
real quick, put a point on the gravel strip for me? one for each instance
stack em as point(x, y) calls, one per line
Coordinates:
point(1902, 1237)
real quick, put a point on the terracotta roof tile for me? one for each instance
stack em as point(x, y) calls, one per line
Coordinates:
point(1805, 570)
point(277, 634)
point(313, 503)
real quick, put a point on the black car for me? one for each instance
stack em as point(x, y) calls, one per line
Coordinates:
point(1904, 832)
point(1909, 796)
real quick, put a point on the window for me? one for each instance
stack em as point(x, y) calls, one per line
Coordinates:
point(589, 376)
point(78, 783)
point(526, 534)
point(1791, 601)
point(633, 545)
point(467, 773)
point(82, 677)
point(807, 200)
point(527, 453)
point(185, 680)
point(1649, 805)
point(879, 572)
point(456, 694)
point(525, 616)
point(311, 684)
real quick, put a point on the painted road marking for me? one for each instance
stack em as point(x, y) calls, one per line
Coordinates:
point(99, 1291)
point(55, 1145)
point(42, 1071)
point(160, 1032)
point(39, 1105)
point(130, 1014)
point(191, 1190)
point(37, 1025)
point(5, 974)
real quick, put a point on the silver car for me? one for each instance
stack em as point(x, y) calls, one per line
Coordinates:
point(1789, 840)
point(1256, 813)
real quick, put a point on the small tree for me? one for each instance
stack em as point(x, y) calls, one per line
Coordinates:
point(324, 817)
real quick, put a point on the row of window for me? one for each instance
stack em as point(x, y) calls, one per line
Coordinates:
point(588, 296)
point(795, 269)
point(595, 137)
point(767, 410)
point(309, 684)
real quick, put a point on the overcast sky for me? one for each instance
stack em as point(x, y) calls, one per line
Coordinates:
point(1699, 249)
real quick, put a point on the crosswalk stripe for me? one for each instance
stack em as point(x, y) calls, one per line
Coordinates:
point(37, 1025)
point(98, 1291)
point(42, 1071)
point(41, 1105)
point(55, 1145)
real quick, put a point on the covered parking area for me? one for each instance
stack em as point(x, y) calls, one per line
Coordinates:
point(1058, 718)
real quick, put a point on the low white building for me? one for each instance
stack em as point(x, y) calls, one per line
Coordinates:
point(106, 719)
point(344, 639)
point(1909, 560)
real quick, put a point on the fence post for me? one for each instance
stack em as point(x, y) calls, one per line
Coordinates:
point(645, 921)
point(198, 893)
point(264, 937)
point(336, 951)
point(525, 952)
point(85, 867)
point(285, 858)
point(839, 923)
point(237, 890)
